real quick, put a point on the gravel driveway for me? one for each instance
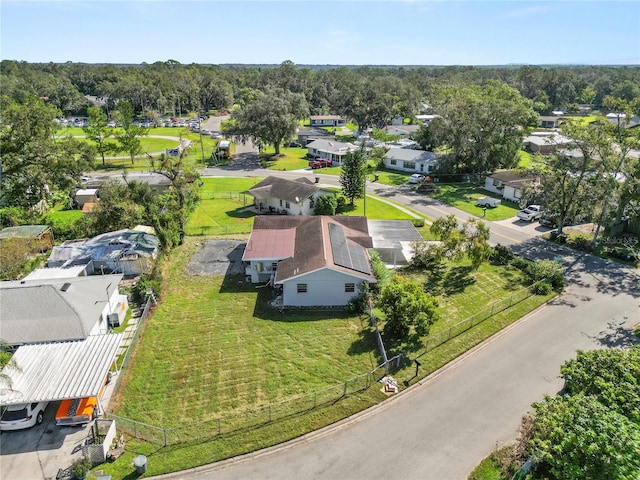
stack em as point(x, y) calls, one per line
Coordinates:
point(218, 257)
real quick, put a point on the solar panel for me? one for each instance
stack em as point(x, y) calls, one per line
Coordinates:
point(353, 257)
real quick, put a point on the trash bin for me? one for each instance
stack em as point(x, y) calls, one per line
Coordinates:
point(317, 179)
point(140, 462)
point(375, 177)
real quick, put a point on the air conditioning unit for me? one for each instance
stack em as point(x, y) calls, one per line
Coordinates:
point(113, 320)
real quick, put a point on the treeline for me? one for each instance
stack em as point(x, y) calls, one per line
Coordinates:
point(173, 88)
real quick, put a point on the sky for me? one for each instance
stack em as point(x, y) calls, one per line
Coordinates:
point(316, 32)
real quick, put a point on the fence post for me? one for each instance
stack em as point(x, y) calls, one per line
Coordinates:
point(345, 389)
point(164, 431)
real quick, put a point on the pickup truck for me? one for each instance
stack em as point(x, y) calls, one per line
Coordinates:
point(530, 214)
point(488, 202)
point(320, 163)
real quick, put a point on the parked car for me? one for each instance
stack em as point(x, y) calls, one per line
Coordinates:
point(18, 417)
point(294, 145)
point(549, 221)
point(320, 163)
point(530, 214)
point(216, 135)
point(488, 202)
point(416, 178)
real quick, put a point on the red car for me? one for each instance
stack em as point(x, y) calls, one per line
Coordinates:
point(320, 163)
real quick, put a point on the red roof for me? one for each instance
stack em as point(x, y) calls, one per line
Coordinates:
point(270, 244)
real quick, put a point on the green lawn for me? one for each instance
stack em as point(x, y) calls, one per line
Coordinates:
point(221, 209)
point(213, 347)
point(464, 196)
point(63, 218)
point(289, 158)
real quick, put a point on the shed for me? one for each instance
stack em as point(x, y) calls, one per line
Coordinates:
point(86, 195)
point(40, 234)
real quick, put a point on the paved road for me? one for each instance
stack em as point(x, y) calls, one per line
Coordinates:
point(441, 428)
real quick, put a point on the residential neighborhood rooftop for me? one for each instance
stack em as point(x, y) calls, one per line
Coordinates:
point(292, 191)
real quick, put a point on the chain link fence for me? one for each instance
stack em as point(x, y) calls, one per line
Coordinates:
point(253, 418)
point(276, 411)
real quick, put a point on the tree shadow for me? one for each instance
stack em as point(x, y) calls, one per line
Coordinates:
point(616, 335)
point(241, 212)
point(366, 343)
point(458, 279)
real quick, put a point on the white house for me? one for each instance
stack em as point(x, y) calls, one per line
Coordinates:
point(331, 150)
point(60, 309)
point(403, 130)
point(326, 121)
point(408, 160)
point(509, 184)
point(287, 197)
point(316, 261)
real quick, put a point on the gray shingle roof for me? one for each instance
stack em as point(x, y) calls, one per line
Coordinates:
point(40, 311)
point(409, 155)
point(274, 187)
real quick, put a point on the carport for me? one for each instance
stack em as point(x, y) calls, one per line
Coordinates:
point(49, 372)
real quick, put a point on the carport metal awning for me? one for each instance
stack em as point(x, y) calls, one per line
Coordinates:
point(59, 371)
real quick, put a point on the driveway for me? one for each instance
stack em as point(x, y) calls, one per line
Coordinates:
point(39, 452)
point(444, 426)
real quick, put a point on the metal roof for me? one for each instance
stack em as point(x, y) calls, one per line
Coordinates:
point(59, 371)
point(55, 272)
point(24, 231)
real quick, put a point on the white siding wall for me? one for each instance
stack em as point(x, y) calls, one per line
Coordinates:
point(261, 270)
point(511, 193)
point(325, 287)
point(490, 187)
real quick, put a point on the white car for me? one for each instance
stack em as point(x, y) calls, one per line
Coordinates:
point(17, 417)
point(530, 214)
point(416, 178)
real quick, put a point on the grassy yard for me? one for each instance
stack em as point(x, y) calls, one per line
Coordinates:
point(289, 159)
point(214, 346)
point(154, 145)
point(63, 218)
point(221, 209)
point(464, 196)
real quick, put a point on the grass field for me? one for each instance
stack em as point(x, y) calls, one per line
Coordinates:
point(214, 347)
point(289, 159)
point(221, 209)
point(464, 197)
point(194, 155)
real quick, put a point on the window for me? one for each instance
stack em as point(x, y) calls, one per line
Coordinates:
point(349, 287)
point(287, 205)
point(496, 182)
point(392, 162)
point(517, 193)
point(302, 288)
point(410, 165)
point(274, 266)
point(311, 203)
point(280, 202)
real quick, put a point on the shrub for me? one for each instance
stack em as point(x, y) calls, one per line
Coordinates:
point(501, 255)
point(326, 205)
point(548, 270)
point(418, 222)
point(520, 263)
point(581, 242)
point(542, 288)
point(139, 290)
